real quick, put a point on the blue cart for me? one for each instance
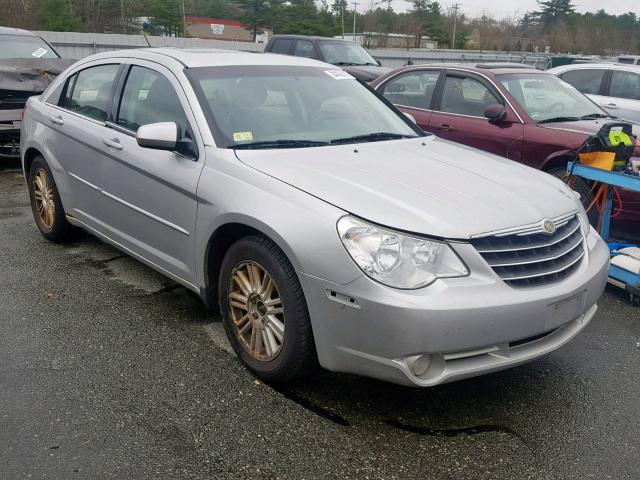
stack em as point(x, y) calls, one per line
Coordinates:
point(617, 276)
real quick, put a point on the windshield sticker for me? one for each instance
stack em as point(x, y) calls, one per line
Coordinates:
point(339, 74)
point(39, 53)
point(242, 136)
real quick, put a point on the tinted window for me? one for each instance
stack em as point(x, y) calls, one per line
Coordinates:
point(413, 89)
point(282, 45)
point(149, 97)
point(305, 48)
point(627, 60)
point(625, 85)
point(466, 96)
point(24, 46)
point(90, 91)
point(585, 80)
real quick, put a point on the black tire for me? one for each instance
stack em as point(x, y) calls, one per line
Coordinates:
point(60, 230)
point(297, 355)
point(583, 188)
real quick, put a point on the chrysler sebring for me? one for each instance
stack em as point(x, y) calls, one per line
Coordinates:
point(326, 226)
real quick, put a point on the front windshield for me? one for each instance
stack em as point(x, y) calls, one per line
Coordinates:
point(345, 53)
point(24, 46)
point(297, 106)
point(546, 98)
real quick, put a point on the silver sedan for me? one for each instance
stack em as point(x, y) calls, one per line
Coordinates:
point(326, 227)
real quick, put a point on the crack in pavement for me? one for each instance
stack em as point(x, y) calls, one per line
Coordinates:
point(452, 432)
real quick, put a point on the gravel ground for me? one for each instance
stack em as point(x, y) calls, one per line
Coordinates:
point(108, 370)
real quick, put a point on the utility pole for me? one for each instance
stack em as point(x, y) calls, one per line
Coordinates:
point(184, 21)
point(455, 8)
point(355, 7)
point(342, 2)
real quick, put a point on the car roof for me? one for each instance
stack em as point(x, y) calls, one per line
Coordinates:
point(582, 66)
point(200, 57)
point(490, 69)
point(311, 37)
point(16, 31)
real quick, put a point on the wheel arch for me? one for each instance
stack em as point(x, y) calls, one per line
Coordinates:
point(27, 159)
point(557, 160)
point(219, 242)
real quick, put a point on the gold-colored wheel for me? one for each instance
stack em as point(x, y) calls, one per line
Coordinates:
point(44, 197)
point(256, 311)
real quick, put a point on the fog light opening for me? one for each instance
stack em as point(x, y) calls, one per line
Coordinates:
point(421, 365)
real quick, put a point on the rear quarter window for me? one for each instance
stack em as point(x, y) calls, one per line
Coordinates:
point(282, 45)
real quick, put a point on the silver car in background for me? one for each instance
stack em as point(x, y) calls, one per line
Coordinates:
point(324, 225)
point(615, 87)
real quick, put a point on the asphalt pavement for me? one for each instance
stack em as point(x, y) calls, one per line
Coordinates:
point(108, 370)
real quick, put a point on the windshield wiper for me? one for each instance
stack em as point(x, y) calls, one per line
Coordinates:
point(560, 119)
point(595, 115)
point(372, 137)
point(279, 144)
point(346, 64)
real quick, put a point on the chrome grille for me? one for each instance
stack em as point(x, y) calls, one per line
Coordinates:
point(529, 258)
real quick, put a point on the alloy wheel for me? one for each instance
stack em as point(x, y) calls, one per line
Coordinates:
point(44, 198)
point(256, 311)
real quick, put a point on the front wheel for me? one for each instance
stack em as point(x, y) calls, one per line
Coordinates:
point(264, 311)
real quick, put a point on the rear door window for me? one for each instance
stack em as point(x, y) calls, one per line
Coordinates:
point(587, 80)
point(413, 89)
point(282, 45)
point(90, 91)
point(625, 85)
point(466, 96)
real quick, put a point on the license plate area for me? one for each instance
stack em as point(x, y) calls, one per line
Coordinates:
point(566, 310)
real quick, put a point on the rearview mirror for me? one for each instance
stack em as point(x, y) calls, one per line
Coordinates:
point(159, 136)
point(495, 112)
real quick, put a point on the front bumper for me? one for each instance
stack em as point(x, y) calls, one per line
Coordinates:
point(9, 140)
point(463, 326)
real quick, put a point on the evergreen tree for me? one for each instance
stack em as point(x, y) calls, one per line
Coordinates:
point(59, 16)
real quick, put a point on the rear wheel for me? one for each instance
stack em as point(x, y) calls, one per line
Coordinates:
point(583, 188)
point(264, 311)
point(46, 205)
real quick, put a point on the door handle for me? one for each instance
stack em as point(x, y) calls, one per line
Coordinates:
point(57, 119)
point(612, 105)
point(445, 126)
point(113, 143)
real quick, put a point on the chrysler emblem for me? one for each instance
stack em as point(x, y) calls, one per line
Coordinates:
point(549, 226)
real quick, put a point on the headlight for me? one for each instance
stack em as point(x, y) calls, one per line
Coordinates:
point(395, 259)
point(582, 214)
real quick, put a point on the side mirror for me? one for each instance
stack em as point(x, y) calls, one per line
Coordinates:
point(495, 112)
point(158, 136)
point(410, 117)
point(379, 63)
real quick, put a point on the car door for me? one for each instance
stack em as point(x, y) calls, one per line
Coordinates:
point(623, 95)
point(459, 116)
point(152, 193)
point(412, 92)
point(74, 138)
point(590, 81)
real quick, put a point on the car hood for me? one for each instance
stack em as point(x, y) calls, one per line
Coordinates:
point(367, 73)
point(31, 74)
point(586, 127)
point(427, 185)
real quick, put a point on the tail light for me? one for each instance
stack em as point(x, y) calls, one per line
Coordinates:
point(24, 111)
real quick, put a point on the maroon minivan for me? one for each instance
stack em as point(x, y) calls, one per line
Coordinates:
point(512, 110)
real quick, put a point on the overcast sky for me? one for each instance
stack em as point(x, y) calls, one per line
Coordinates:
point(509, 8)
